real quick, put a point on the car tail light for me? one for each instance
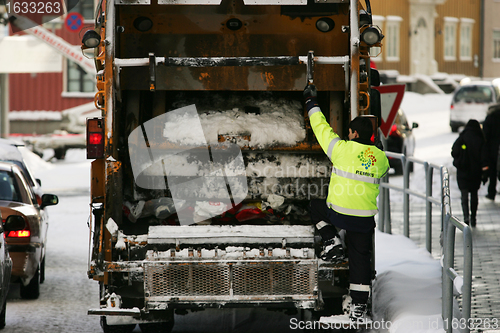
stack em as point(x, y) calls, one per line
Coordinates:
point(19, 233)
point(394, 129)
point(95, 138)
point(452, 106)
point(25, 233)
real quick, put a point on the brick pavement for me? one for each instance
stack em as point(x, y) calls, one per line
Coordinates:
point(486, 250)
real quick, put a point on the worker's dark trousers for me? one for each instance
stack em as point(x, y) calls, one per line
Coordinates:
point(359, 248)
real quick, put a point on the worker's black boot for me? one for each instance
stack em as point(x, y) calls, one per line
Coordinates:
point(358, 313)
point(332, 250)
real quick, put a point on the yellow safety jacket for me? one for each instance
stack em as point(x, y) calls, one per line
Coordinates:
point(356, 172)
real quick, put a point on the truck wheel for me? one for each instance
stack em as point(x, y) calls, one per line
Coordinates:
point(60, 153)
point(32, 290)
point(164, 327)
point(115, 328)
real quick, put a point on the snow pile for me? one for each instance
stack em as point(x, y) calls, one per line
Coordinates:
point(35, 115)
point(33, 161)
point(231, 253)
point(407, 291)
point(276, 122)
point(71, 175)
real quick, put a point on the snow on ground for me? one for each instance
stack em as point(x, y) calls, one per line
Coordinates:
point(407, 291)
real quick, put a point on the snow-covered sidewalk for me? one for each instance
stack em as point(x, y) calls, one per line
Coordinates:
point(407, 291)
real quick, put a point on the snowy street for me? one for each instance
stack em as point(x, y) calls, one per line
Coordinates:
point(67, 293)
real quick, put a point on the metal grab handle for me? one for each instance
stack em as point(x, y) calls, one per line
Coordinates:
point(231, 61)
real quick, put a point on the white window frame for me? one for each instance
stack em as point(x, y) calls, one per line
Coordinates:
point(376, 52)
point(450, 38)
point(393, 44)
point(466, 28)
point(496, 45)
point(73, 94)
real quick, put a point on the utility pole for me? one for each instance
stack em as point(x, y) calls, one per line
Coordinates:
point(4, 105)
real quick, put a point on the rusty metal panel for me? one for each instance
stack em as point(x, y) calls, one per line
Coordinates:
point(290, 78)
point(97, 182)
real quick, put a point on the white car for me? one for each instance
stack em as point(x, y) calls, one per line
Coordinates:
point(471, 101)
point(11, 151)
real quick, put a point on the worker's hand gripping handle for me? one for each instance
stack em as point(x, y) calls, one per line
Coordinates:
point(310, 67)
point(310, 92)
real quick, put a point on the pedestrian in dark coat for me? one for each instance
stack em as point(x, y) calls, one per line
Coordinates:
point(471, 160)
point(491, 129)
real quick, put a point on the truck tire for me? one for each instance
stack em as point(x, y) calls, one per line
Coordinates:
point(164, 327)
point(115, 328)
point(32, 289)
point(60, 153)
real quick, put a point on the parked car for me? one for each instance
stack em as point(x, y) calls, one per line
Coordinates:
point(5, 267)
point(27, 243)
point(11, 151)
point(471, 101)
point(401, 140)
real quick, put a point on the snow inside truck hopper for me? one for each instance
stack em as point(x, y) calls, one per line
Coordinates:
point(204, 161)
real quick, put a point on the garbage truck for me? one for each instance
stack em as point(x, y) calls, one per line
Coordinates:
point(204, 162)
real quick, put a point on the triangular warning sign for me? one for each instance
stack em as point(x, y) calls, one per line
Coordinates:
point(391, 97)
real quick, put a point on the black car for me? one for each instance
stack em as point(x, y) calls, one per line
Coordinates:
point(401, 140)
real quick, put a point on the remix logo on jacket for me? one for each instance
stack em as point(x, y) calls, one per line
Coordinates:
point(367, 158)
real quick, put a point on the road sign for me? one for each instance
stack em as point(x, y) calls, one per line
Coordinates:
point(73, 22)
point(390, 98)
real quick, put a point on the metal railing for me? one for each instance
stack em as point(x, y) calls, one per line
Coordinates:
point(449, 224)
point(463, 285)
point(385, 224)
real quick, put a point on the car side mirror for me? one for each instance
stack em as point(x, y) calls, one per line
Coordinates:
point(414, 125)
point(14, 223)
point(49, 200)
point(39, 181)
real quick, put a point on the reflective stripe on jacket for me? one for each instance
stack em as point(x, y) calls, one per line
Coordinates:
point(356, 172)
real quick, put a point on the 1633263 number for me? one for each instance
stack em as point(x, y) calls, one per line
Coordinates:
point(34, 7)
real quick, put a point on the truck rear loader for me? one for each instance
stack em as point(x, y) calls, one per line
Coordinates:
point(203, 159)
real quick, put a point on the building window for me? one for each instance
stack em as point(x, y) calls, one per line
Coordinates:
point(496, 45)
point(450, 38)
point(375, 52)
point(392, 29)
point(84, 7)
point(466, 39)
point(77, 80)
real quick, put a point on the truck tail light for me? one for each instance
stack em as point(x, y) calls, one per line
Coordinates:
point(95, 138)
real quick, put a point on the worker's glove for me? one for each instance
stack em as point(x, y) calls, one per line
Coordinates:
point(484, 176)
point(310, 96)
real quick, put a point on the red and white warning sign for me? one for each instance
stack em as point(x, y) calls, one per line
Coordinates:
point(391, 97)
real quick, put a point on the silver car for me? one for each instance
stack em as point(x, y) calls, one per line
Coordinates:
point(471, 101)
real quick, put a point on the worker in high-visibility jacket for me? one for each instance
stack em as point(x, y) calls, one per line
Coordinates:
point(357, 168)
